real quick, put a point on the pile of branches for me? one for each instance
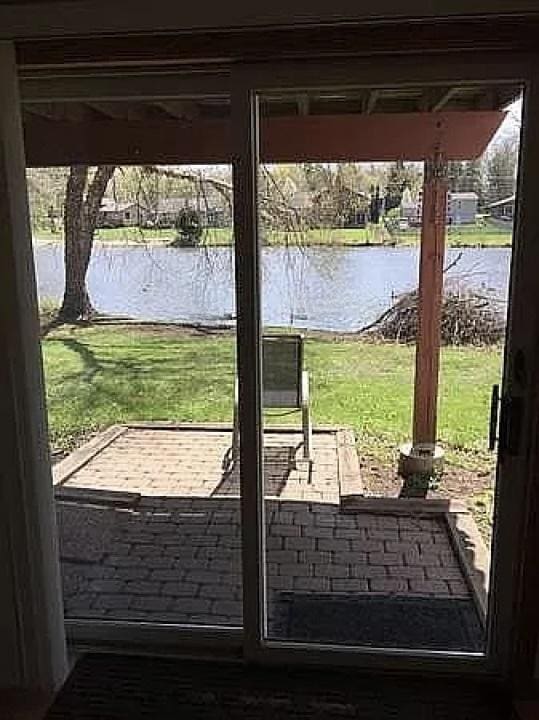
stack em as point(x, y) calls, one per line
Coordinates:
point(468, 318)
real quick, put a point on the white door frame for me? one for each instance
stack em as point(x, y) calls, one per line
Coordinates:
point(516, 474)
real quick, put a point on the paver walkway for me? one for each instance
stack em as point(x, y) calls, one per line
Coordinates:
point(170, 550)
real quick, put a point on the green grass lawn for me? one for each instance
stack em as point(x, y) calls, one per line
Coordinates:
point(98, 376)
point(216, 237)
point(464, 236)
point(479, 235)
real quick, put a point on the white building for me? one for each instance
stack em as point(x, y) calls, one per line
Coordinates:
point(461, 208)
point(117, 214)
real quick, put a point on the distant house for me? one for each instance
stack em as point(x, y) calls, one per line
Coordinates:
point(117, 214)
point(298, 200)
point(164, 213)
point(503, 209)
point(461, 208)
point(354, 214)
point(410, 208)
point(358, 215)
point(212, 208)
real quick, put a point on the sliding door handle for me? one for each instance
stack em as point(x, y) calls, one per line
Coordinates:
point(493, 423)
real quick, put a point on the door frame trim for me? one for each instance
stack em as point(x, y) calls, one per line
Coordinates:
point(512, 577)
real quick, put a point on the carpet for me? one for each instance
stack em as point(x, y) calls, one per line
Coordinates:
point(113, 687)
point(380, 621)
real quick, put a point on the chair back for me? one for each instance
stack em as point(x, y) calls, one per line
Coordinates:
point(282, 366)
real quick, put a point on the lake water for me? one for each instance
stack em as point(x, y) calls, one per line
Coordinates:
point(324, 288)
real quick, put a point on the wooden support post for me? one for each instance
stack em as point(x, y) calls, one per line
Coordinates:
point(430, 301)
point(33, 652)
point(422, 456)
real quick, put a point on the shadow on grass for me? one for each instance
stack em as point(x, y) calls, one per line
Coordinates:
point(90, 362)
point(151, 381)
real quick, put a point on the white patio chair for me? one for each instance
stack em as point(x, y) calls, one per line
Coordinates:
point(285, 385)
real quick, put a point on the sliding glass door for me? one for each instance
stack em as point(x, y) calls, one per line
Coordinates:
point(303, 285)
point(374, 241)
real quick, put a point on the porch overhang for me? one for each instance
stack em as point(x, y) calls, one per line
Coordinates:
point(104, 124)
point(351, 137)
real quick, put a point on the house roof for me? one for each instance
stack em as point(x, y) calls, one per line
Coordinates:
point(504, 201)
point(463, 196)
point(110, 205)
point(175, 204)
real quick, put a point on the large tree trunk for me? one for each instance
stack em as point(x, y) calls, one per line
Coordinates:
point(80, 219)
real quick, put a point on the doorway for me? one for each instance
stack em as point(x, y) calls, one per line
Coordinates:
point(293, 496)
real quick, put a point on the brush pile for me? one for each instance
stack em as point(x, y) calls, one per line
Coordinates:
point(468, 318)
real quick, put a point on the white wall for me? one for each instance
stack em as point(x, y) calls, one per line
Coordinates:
point(89, 16)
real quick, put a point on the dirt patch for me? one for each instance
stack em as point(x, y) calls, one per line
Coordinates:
point(49, 323)
point(59, 453)
point(475, 488)
point(168, 329)
point(383, 480)
point(182, 330)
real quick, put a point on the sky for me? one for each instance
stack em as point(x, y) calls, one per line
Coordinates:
point(511, 124)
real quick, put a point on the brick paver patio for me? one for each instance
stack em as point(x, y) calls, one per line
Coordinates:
point(189, 463)
point(150, 530)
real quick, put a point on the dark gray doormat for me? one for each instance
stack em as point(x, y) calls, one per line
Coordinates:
point(381, 621)
point(112, 687)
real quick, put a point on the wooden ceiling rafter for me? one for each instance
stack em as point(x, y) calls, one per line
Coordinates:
point(443, 98)
point(365, 100)
point(110, 110)
point(372, 99)
point(178, 109)
point(303, 104)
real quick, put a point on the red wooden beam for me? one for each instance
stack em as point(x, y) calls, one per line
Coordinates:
point(377, 137)
point(310, 138)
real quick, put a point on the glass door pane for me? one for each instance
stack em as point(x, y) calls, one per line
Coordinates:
point(386, 228)
point(139, 352)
